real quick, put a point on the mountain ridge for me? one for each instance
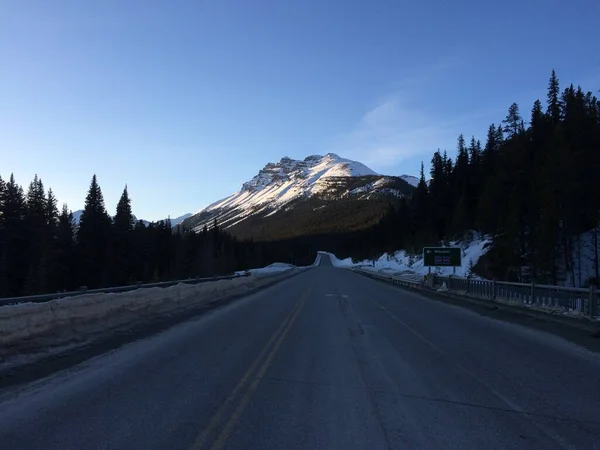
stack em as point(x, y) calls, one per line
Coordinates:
point(284, 185)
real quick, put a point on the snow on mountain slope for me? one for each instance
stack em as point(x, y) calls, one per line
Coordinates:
point(289, 179)
point(277, 185)
point(413, 181)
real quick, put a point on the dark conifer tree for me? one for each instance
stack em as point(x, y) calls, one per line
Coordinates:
point(123, 241)
point(65, 273)
point(36, 233)
point(15, 240)
point(553, 97)
point(93, 239)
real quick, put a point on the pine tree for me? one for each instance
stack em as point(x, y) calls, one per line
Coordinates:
point(123, 241)
point(49, 252)
point(141, 252)
point(499, 138)
point(487, 217)
point(592, 142)
point(475, 182)
point(93, 239)
point(65, 256)
point(14, 231)
point(51, 210)
point(553, 98)
point(123, 220)
point(439, 198)
point(421, 220)
point(513, 123)
point(460, 176)
point(537, 120)
point(490, 152)
point(2, 238)
point(36, 237)
point(459, 223)
point(537, 157)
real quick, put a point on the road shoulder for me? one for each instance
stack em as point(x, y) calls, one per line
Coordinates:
point(585, 334)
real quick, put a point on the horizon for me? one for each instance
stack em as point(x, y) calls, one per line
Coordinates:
point(78, 209)
point(185, 103)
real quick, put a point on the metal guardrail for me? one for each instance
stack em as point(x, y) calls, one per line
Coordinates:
point(545, 296)
point(541, 296)
point(406, 281)
point(47, 297)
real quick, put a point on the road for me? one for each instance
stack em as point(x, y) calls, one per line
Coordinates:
point(328, 359)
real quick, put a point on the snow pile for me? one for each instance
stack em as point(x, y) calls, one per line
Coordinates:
point(335, 262)
point(404, 264)
point(79, 319)
point(317, 260)
point(271, 269)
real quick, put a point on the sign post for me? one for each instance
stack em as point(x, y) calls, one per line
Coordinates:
point(442, 257)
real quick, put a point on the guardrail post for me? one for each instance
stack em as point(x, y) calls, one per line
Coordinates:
point(533, 299)
point(494, 289)
point(592, 300)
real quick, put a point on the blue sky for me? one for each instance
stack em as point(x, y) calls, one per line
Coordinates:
point(186, 100)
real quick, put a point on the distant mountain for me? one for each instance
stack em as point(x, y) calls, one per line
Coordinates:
point(174, 222)
point(294, 197)
point(177, 220)
point(77, 215)
point(413, 181)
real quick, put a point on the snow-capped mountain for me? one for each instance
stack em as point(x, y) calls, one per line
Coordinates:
point(280, 186)
point(174, 222)
point(413, 181)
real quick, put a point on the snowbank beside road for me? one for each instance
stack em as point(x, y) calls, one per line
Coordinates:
point(317, 260)
point(402, 263)
point(335, 262)
point(27, 327)
point(269, 270)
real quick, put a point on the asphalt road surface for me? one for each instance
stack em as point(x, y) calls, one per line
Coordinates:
point(328, 359)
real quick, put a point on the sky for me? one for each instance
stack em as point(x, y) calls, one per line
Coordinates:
point(184, 101)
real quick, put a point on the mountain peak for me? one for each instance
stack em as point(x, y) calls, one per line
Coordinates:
point(306, 173)
point(283, 185)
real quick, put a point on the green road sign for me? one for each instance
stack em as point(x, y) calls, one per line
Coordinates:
point(442, 256)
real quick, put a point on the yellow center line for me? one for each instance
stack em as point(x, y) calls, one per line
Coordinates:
point(237, 412)
point(216, 418)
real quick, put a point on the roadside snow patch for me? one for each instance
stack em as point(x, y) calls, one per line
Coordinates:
point(402, 263)
point(339, 262)
point(269, 270)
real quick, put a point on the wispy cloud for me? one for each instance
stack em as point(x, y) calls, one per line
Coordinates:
point(407, 123)
point(391, 132)
point(394, 130)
